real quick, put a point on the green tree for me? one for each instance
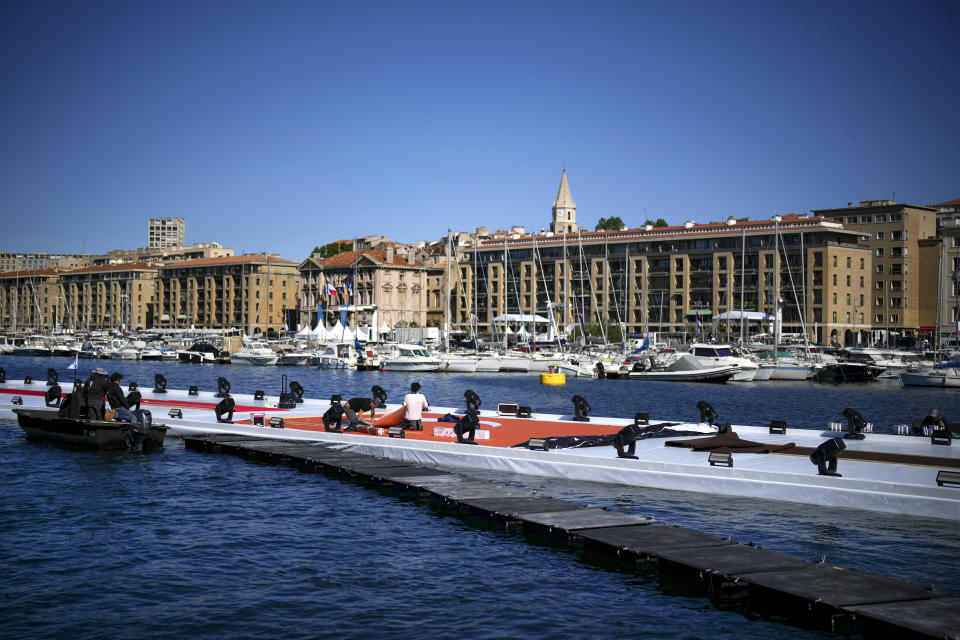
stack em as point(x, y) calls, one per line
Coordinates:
point(659, 223)
point(613, 223)
point(332, 249)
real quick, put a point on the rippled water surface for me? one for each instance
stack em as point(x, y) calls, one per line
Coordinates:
point(183, 544)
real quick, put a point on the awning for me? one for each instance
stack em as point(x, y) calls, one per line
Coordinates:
point(703, 312)
point(744, 315)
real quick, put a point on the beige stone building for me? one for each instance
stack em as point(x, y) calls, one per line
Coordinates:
point(948, 265)
point(30, 300)
point(109, 297)
point(903, 280)
point(257, 293)
point(383, 287)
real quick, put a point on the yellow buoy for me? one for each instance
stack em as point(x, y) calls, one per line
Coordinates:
point(553, 379)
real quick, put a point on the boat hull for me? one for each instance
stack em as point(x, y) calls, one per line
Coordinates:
point(935, 378)
point(95, 434)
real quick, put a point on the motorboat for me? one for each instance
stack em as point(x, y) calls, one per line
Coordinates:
point(338, 355)
point(97, 434)
point(410, 357)
point(291, 355)
point(941, 375)
point(682, 368)
point(36, 346)
point(201, 352)
point(255, 353)
point(715, 355)
point(458, 363)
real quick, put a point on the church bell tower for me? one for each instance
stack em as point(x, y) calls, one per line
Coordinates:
point(564, 209)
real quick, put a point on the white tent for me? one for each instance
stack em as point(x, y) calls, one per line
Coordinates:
point(304, 333)
point(340, 333)
point(521, 317)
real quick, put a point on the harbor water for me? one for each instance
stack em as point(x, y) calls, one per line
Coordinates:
point(182, 544)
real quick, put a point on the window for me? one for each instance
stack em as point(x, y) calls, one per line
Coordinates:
point(834, 279)
point(834, 260)
point(879, 235)
point(881, 218)
point(879, 252)
point(834, 316)
point(894, 317)
point(956, 264)
point(861, 263)
point(879, 285)
point(848, 317)
point(896, 217)
point(899, 235)
point(956, 241)
point(879, 318)
point(861, 304)
point(834, 298)
point(866, 219)
point(878, 302)
point(848, 281)
point(861, 282)
point(848, 299)
point(879, 268)
point(848, 262)
point(818, 255)
point(851, 219)
point(818, 296)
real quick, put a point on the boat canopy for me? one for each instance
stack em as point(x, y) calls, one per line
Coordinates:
point(521, 317)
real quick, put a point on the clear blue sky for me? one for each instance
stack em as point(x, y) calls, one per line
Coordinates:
point(282, 125)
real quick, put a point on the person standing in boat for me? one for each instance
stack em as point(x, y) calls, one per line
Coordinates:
point(94, 390)
point(415, 403)
point(118, 401)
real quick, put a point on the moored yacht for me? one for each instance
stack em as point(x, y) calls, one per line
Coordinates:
point(254, 353)
point(410, 357)
point(715, 355)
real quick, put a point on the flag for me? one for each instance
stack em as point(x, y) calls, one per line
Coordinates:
point(348, 288)
point(76, 361)
point(331, 290)
point(473, 318)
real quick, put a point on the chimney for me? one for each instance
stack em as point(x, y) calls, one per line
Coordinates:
point(389, 254)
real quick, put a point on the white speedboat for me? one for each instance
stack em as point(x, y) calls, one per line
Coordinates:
point(200, 352)
point(291, 354)
point(254, 353)
point(410, 357)
point(715, 355)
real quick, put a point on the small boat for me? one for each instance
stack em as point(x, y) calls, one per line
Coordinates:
point(254, 353)
point(714, 355)
point(410, 357)
point(200, 352)
point(684, 368)
point(942, 375)
point(458, 363)
point(97, 434)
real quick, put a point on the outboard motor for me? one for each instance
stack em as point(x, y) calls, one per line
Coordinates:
point(223, 388)
point(855, 424)
point(52, 377)
point(133, 399)
point(707, 413)
point(224, 410)
point(580, 409)
point(473, 400)
point(52, 396)
point(297, 390)
point(140, 424)
point(379, 396)
point(159, 383)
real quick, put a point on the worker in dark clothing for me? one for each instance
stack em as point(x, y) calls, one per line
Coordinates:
point(118, 401)
point(356, 407)
point(94, 389)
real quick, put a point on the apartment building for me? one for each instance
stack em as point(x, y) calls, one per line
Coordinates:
point(903, 285)
point(109, 297)
point(165, 232)
point(257, 293)
point(809, 274)
point(38, 261)
point(31, 300)
point(948, 266)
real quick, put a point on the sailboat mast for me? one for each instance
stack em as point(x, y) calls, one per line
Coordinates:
point(446, 294)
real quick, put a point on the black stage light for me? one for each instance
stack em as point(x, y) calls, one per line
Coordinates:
point(259, 395)
point(716, 458)
point(581, 409)
point(159, 383)
point(51, 376)
point(778, 427)
point(176, 413)
point(538, 444)
point(276, 422)
point(16, 400)
point(52, 396)
point(224, 410)
point(855, 424)
point(396, 432)
point(223, 388)
point(466, 427)
point(825, 456)
point(473, 400)
point(625, 441)
point(194, 390)
point(256, 419)
point(379, 395)
point(707, 413)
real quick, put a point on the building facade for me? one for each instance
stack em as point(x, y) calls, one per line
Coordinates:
point(948, 266)
point(31, 300)
point(38, 261)
point(257, 293)
point(109, 297)
point(903, 281)
point(165, 232)
point(810, 272)
point(380, 288)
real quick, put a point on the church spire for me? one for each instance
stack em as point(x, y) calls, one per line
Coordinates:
point(564, 209)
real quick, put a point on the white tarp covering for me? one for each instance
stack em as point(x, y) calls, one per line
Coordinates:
point(340, 333)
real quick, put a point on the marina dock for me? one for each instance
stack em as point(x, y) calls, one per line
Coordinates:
point(820, 596)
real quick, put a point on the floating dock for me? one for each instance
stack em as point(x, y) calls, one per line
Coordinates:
point(811, 595)
point(882, 472)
